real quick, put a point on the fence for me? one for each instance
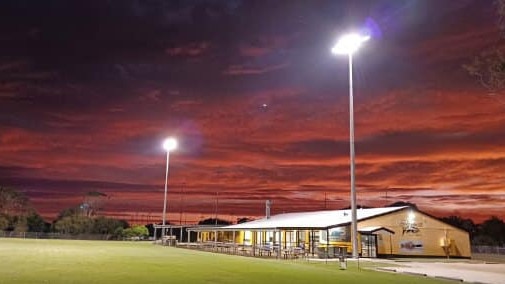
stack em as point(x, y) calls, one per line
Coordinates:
point(38, 235)
point(488, 250)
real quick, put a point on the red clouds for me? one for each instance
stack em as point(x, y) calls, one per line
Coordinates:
point(259, 115)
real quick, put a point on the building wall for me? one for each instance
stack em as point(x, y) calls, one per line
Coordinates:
point(417, 234)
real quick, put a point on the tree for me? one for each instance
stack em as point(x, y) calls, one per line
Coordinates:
point(67, 212)
point(93, 203)
point(140, 231)
point(35, 222)
point(489, 66)
point(136, 232)
point(74, 225)
point(402, 203)
point(464, 224)
point(13, 202)
point(243, 220)
point(494, 228)
point(489, 69)
point(107, 226)
point(4, 222)
point(20, 224)
point(118, 233)
point(74, 221)
point(214, 221)
point(481, 240)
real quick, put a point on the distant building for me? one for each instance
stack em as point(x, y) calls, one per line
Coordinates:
point(383, 232)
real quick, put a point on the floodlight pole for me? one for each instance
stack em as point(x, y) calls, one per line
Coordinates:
point(169, 145)
point(165, 199)
point(354, 218)
point(348, 44)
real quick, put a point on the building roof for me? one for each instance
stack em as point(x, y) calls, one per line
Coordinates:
point(310, 220)
point(371, 230)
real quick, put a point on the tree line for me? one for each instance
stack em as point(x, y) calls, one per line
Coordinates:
point(491, 232)
point(17, 214)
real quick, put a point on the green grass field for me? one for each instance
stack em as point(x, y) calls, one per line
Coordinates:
point(62, 261)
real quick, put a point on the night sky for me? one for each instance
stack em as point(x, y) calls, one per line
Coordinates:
point(89, 90)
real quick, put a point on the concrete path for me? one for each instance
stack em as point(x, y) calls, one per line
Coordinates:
point(492, 273)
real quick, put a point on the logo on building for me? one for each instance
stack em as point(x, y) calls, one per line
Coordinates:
point(410, 225)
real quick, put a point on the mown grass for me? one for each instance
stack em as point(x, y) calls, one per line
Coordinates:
point(62, 261)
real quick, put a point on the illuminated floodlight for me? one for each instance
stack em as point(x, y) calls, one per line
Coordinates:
point(349, 43)
point(170, 144)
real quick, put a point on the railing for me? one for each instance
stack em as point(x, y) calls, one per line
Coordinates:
point(488, 250)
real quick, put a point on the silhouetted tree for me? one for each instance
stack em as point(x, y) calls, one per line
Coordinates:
point(19, 223)
point(4, 222)
point(358, 206)
point(214, 221)
point(107, 226)
point(36, 223)
point(93, 203)
point(74, 225)
point(482, 240)
point(490, 233)
point(464, 224)
point(243, 220)
point(489, 66)
point(67, 212)
point(494, 228)
point(73, 221)
point(13, 202)
point(402, 203)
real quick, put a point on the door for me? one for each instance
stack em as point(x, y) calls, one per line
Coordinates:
point(369, 246)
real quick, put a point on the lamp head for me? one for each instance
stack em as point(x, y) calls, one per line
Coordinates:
point(170, 144)
point(349, 43)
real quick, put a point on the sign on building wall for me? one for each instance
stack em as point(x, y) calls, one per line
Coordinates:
point(411, 239)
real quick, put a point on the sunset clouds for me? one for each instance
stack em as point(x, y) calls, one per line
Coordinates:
point(258, 102)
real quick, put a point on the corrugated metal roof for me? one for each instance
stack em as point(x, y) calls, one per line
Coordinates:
point(311, 220)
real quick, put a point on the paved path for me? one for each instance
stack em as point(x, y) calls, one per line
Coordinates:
point(464, 271)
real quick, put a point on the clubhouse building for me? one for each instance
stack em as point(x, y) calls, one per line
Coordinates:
point(382, 232)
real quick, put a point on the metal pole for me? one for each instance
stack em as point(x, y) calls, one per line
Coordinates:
point(217, 204)
point(354, 225)
point(165, 200)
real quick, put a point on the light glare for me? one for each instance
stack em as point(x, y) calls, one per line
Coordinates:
point(170, 144)
point(349, 43)
point(411, 217)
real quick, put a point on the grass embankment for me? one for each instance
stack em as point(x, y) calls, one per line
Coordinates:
point(63, 261)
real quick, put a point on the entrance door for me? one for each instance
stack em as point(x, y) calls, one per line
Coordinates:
point(369, 246)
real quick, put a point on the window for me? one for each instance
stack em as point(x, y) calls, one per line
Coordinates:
point(340, 234)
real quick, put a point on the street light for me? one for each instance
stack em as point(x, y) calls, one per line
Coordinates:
point(347, 45)
point(170, 144)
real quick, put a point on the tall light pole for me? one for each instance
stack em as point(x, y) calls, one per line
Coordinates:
point(170, 144)
point(347, 45)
